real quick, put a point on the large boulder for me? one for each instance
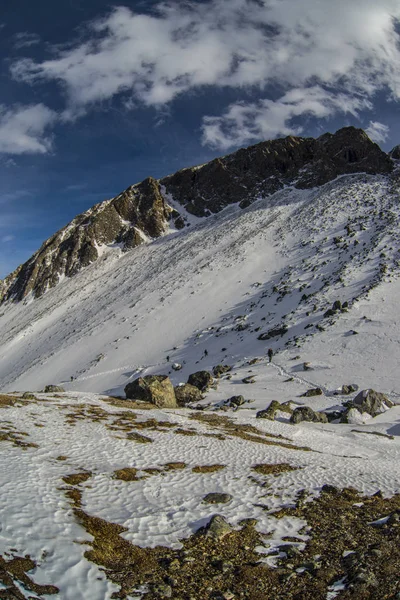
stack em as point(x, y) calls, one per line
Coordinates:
point(352, 416)
point(187, 393)
point(155, 389)
point(305, 413)
point(220, 370)
point(203, 380)
point(53, 389)
point(372, 402)
point(273, 408)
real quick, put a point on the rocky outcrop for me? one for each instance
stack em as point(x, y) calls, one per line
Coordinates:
point(141, 212)
point(53, 389)
point(155, 389)
point(128, 220)
point(372, 402)
point(267, 167)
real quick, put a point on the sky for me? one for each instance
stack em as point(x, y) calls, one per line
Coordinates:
point(96, 96)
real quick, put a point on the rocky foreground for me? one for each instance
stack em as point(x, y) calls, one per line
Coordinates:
point(103, 498)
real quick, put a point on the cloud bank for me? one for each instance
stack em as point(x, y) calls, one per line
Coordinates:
point(326, 58)
point(23, 129)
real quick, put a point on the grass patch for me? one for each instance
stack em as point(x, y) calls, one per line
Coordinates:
point(126, 474)
point(265, 469)
point(77, 478)
point(138, 438)
point(246, 432)
point(208, 468)
point(174, 466)
point(16, 569)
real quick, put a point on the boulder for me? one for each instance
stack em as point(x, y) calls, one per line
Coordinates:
point(348, 389)
point(220, 370)
point(28, 396)
point(155, 389)
point(203, 380)
point(312, 392)
point(372, 402)
point(217, 528)
point(53, 389)
point(216, 498)
point(235, 401)
point(272, 409)
point(305, 413)
point(186, 393)
point(353, 416)
point(176, 366)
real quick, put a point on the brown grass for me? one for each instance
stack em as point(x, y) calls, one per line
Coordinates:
point(173, 466)
point(208, 468)
point(17, 569)
point(126, 474)
point(77, 478)
point(265, 469)
point(245, 432)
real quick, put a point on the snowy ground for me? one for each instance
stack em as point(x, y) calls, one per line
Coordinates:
point(215, 286)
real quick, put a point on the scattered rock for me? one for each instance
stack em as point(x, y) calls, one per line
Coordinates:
point(155, 389)
point(217, 528)
point(220, 370)
point(249, 379)
point(353, 416)
point(272, 409)
point(305, 413)
point(235, 401)
point(372, 402)
point(53, 389)
point(307, 366)
point(203, 380)
point(216, 498)
point(273, 333)
point(312, 392)
point(177, 366)
point(348, 389)
point(186, 393)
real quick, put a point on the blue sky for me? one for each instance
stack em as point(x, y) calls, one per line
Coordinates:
point(96, 96)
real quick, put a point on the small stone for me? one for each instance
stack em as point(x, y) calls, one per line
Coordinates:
point(217, 528)
point(216, 498)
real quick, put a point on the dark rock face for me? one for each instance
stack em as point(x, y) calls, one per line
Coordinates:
point(266, 167)
point(138, 212)
point(156, 389)
point(142, 212)
point(202, 380)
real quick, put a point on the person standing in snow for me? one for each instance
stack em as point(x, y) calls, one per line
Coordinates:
point(270, 354)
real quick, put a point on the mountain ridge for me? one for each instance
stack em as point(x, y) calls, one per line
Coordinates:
point(142, 212)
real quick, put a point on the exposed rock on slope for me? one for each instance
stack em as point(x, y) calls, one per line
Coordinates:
point(142, 211)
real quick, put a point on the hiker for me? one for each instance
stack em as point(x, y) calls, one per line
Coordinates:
point(270, 354)
point(205, 353)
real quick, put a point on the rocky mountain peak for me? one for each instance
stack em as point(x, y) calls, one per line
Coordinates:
point(141, 212)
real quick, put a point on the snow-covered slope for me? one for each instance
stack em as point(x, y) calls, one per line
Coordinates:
point(106, 500)
point(220, 284)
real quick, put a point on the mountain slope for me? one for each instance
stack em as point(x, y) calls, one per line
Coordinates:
point(143, 211)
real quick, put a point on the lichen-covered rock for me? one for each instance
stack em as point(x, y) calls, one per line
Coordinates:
point(305, 413)
point(353, 416)
point(272, 409)
point(155, 389)
point(203, 380)
point(187, 393)
point(217, 528)
point(220, 370)
point(53, 389)
point(312, 392)
point(372, 402)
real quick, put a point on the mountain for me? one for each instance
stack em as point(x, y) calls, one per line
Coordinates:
point(290, 245)
point(143, 211)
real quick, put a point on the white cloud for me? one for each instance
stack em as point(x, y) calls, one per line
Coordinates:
point(7, 238)
point(347, 49)
point(243, 123)
point(23, 129)
point(378, 132)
